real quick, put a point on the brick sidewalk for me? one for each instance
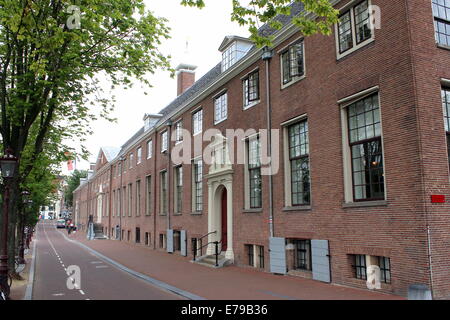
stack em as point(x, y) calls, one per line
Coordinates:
point(227, 283)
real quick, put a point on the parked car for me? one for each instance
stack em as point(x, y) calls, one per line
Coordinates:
point(61, 223)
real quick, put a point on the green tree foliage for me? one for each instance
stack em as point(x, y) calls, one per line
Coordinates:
point(318, 16)
point(73, 181)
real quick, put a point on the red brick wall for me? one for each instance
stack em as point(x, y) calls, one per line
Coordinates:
point(405, 64)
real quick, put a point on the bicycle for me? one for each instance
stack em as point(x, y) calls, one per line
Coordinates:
point(5, 293)
point(19, 265)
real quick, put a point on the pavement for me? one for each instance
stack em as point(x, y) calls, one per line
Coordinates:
point(229, 283)
point(66, 271)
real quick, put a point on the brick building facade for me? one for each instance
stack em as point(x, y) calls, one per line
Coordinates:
point(361, 121)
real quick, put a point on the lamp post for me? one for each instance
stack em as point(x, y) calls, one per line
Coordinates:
point(7, 166)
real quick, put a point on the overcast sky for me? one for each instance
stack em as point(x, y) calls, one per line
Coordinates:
point(204, 31)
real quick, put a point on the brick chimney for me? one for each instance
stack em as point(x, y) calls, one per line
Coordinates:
point(185, 77)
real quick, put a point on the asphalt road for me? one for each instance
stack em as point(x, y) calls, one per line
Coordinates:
point(98, 280)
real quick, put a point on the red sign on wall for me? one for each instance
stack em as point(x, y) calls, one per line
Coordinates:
point(437, 198)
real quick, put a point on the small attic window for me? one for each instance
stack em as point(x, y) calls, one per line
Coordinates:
point(233, 48)
point(229, 56)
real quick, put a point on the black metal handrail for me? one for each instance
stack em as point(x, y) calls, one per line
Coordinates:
point(207, 235)
point(216, 244)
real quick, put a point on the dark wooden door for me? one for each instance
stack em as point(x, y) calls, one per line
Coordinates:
point(224, 219)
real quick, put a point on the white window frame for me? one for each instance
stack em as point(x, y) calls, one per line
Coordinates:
point(194, 190)
point(139, 155)
point(294, 79)
point(287, 163)
point(440, 18)
point(347, 153)
point(222, 99)
point(350, 7)
point(131, 160)
point(178, 132)
point(164, 141)
point(197, 121)
point(244, 96)
point(149, 148)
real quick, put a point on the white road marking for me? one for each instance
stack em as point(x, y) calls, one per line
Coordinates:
point(58, 294)
point(101, 267)
point(96, 262)
point(65, 269)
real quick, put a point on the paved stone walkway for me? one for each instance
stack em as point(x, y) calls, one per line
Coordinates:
point(229, 283)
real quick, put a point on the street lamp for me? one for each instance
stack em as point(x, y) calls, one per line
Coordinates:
point(8, 165)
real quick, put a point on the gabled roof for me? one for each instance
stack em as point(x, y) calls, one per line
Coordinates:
point(205, 81)
point(110, 152)
point(229, 39)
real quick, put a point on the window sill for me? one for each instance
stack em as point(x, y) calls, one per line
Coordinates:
point(163, 214)
point(251, 105)
point(197, 213)
point(284, 86)
point(354, 49)
point(297, 208)
point(220, 121)
point(363, 204)
point(253, 210)
point(177, 213)
point(442, 46)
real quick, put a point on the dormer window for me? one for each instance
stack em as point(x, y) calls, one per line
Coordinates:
point(229, 57)
point(233, 48)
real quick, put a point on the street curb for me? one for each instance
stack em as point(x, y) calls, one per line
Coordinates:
point(157, 283)
point(29, 290)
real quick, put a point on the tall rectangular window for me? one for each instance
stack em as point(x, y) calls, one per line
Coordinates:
point(130, 199)
point(178, 132)
point(220, 108)
point(148, 195)
point(164, 142)
point(138, 198)
point(441, 12)
point(354, 29)
point(118, 203)
point(163, 207)
point(292, 62)
point(254, 172)
point(385, 269)
point(250, 254)
point(139, 155)
point(345, 32)
point(299, 163)
point(366, 151)
point(359, 265)
point(113, 209)
point(149, 149)
point(445, 92)
point(178, 189)
point(198, 185)
point(251, 89)
point(124, 201)
point(131, 160)
point(197, 122)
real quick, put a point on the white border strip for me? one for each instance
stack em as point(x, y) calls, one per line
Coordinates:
point(29, 290)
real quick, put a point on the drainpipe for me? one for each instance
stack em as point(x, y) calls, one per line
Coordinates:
point(267, 56)
point(121, 197)
point(169, 166)
point(155, 178)
point(110, 200)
